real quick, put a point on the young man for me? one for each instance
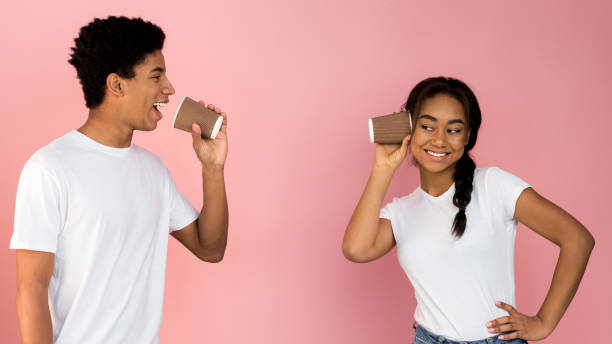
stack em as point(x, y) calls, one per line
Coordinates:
point(93, 211)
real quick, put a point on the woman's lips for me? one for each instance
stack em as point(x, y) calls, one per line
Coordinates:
point(436, 155)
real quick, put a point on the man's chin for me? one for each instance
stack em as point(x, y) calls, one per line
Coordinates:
point(147, 127)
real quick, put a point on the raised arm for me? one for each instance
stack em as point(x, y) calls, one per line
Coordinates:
point(576, 244)
point(206, 237)
point(368, 237)
point(34, 270)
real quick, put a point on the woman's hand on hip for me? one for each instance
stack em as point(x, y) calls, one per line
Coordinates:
point(520, 325)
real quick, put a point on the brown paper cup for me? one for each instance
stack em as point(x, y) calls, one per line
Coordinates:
point(190, 111)
point(391, 128)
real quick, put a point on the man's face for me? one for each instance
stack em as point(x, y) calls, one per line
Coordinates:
point(148, 88)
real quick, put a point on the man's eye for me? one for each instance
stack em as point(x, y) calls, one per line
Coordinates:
point(157, 77)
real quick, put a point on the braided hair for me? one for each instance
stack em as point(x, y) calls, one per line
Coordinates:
point(464, 172)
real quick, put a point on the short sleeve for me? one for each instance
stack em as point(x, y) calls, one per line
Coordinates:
point(182, 212)
point(39, 216)
point(385, 212)
point(505, 188)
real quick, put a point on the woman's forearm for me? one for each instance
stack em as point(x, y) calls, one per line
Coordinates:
point(573, 258)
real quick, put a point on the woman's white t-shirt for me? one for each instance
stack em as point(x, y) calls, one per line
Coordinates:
point(457, 281)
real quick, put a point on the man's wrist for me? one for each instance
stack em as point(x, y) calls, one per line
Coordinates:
point(212, 169)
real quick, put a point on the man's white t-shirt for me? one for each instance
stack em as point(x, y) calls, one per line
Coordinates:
point(106, 214)
point(457, 281)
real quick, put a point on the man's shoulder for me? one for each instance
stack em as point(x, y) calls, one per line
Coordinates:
point(153, 158)
point(52, 154)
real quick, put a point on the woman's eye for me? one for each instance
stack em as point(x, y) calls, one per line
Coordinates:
point(157, 77)
point(426, 127)
point(454, 131)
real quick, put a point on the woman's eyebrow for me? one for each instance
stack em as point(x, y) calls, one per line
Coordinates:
point(429, 117)
point(432, 118)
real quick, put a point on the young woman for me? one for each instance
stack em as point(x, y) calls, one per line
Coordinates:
point(455, 232)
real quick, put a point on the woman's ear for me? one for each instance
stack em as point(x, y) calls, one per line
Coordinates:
point(467, 137)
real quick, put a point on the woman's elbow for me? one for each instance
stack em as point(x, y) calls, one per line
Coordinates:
point(354, 254)
point(584, 242)
point(589, 241)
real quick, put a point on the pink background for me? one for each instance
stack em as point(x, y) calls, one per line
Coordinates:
point(299, 80)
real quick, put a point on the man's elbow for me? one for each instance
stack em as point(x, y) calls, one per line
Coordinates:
point(212, 256)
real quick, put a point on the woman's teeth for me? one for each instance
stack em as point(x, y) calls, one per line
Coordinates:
point(439, 155)
point(159, 104)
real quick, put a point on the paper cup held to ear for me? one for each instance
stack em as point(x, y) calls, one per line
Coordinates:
point(390, 129)
point(190, 111)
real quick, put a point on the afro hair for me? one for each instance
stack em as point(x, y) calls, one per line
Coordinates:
point(112, 45)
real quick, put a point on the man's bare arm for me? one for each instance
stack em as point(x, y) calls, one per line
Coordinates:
point(34, 270)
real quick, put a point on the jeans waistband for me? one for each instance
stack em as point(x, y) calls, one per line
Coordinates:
point(423, 336)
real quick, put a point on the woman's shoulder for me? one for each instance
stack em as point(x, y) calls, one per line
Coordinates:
point(409, 200)
point(498, 183)
point(492, 174)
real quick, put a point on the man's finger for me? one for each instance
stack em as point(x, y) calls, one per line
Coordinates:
point(196, 133)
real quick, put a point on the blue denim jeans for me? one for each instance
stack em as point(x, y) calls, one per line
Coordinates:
point(423, 336)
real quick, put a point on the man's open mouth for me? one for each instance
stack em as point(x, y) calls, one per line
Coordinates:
point(159, 104)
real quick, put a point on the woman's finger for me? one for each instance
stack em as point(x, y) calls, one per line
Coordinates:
point(509, 336)
point(502, 328)
point(499, 321)
point(505, 307)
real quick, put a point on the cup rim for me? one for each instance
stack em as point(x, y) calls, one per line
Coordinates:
point(177, 110)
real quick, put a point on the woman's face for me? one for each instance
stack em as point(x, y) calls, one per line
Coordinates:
point(440, 134)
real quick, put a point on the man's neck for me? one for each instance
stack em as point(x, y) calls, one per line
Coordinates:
point(104, 126)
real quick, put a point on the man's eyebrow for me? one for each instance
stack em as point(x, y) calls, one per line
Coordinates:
point(158, 69)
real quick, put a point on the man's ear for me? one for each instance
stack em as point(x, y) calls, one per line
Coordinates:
point(113, 84)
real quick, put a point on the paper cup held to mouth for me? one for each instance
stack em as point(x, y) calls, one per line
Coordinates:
point(390, 129)
point(190, 111)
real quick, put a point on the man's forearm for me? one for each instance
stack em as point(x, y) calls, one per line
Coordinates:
point(213, 220)
point(34, 316)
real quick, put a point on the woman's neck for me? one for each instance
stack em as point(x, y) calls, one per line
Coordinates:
point(436, 183)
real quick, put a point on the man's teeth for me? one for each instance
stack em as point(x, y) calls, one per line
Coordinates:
point(160, 104)
point(439, 155)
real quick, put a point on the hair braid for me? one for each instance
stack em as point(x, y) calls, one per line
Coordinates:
point(464, 177)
